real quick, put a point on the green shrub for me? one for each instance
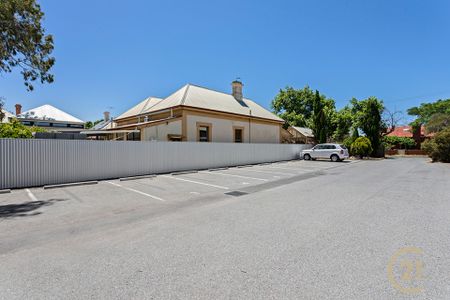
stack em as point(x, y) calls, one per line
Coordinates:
point(361, 147)
point(37, 129)
point(348, 144)
point(438, 148)
point(398, 142)
point(15, 130)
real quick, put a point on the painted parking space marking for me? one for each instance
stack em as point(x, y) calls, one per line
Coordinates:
point(196, 182)
point(136, 191)
point(272, 172)
point(283, 168)
point(31, 195)
point(240, 176)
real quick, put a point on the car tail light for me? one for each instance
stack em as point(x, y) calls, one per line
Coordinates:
point(342, 151)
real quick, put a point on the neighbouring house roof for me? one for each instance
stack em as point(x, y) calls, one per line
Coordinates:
point(199, 97)
point(49, 112)
point(7, 116)
point(406, 131)
point(103, 132)
point(134, 125)
point(304, 130)
point(103, 125)
point(140, 108)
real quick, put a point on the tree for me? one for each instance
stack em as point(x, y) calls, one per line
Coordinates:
point(361, 147)
point(2, 114)
point(322, 121)
point(355, 133)
point(24, 44)
point(343, 122)
point(294, 106)
point(306, 108)
point(438, 122)
point(319, 122)
point(90, 124)
point(425, 111)
point(438, 148)
point(390, 121)
point(368, 117)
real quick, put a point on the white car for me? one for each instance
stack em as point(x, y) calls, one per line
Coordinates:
point(335, 152)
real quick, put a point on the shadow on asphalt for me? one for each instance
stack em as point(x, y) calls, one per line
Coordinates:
point(25, 209)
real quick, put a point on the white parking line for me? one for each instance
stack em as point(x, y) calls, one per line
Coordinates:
point(31, 195)
point(197, 182)
point(136, 191)
point(234, 175)
point(296, 169)
point(271, 172)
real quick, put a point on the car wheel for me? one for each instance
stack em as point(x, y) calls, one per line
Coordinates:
point(307, 157)
point(335, 158)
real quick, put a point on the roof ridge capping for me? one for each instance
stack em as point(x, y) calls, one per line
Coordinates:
point(149, 99)
point(183, 99)
point(214, 90)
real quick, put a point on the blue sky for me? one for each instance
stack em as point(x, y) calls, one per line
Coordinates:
point(112, 54)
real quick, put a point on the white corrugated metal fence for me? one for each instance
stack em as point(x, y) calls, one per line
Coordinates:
point(34, 162)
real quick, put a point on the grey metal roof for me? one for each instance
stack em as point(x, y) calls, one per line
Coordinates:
point(304, 130)
point(103, 125)
point(199, 97)
point(142, 107)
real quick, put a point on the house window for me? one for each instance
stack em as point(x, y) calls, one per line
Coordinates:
point(76, 125)
point(174, 137)
point(238, 135)
point(59, 125)
point(43, 124)
point(203, 132)
point(134, 136)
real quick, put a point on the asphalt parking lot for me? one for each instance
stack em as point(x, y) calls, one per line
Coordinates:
point(297, 229)
point(158, 192)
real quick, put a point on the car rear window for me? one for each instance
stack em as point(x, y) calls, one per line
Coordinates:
point(343, 146)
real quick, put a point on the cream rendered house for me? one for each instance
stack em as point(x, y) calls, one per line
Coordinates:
point(195, 113)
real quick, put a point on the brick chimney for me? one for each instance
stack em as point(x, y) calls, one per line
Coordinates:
point(18, 109)
point(106, 116)
point(237, 90)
